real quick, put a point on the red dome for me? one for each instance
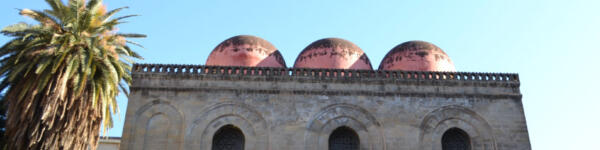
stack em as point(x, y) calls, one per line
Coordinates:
point(333, 53)
point(417, 56)
point(245, 50)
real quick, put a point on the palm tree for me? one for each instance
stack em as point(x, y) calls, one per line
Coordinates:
point(61, 76)
point(2, 124)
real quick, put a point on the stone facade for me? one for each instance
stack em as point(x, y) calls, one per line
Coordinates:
point(182, 106)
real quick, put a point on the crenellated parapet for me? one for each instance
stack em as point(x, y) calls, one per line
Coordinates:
point(324, 81)
point(322, 73)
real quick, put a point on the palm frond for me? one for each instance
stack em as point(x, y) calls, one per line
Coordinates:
point(94, 5)
point(57, 7)
point(111, 13)
point(19, 27)
point(115, 21)
point(42, 17)
point(132, 35)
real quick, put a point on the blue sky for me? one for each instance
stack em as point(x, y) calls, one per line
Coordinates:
point(552, 44)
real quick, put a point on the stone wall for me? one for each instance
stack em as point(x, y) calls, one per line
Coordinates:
point(181, 107)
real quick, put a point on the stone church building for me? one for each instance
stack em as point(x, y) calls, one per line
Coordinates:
point(246, 98)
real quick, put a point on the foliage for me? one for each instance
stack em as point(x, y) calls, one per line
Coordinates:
point(62, 75)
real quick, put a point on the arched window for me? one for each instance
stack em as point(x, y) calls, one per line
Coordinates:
point(456, 139)
point(228, 137)
point(344, 138)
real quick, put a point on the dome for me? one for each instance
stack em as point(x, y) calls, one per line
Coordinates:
point(417, 56)
point(245, 50)
point(333, 53)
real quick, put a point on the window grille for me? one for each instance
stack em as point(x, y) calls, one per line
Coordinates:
point(228, 138)
point(344, 138)
point(456, 139)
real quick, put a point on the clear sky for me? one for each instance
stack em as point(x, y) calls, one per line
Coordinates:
point(552, 44)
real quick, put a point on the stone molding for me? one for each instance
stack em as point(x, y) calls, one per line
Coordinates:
point(338, 115)
point(324, 81)
point(438, 121)
point(322, 73)
point(143, 116)
point(247, 119)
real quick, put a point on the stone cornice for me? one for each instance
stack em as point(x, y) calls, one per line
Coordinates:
point(321, 73)
point(324, 81)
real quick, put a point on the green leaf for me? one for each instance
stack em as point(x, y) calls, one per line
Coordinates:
point(93, 5)
point(132, 35)
point(111, 13)
point(115, 21)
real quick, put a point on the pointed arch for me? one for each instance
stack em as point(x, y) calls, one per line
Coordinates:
point(440, 120)
point(249, 121)
point(334, 116)
point(158, 125)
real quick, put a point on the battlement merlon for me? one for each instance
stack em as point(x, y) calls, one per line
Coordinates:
point(324, 81)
